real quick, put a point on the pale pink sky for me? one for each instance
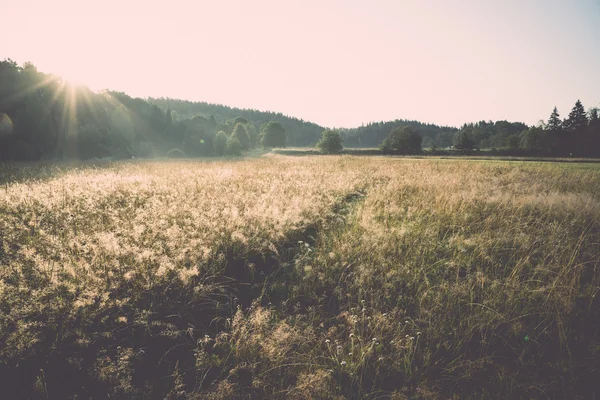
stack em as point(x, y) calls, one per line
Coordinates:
point(337, 63)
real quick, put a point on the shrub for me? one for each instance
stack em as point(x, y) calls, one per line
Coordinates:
point(233, 147)
point(330, 143)
point(220, 143)
point(463, 141)
point(241, 134)
point(402, 140)
point(272, 134)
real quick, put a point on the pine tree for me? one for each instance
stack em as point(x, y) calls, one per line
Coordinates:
point(554, 123)
point(575, 126)
point(556, 140)
point(593, 134)
point(577, 120)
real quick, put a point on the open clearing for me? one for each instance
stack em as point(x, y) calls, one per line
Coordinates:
point(300, 277)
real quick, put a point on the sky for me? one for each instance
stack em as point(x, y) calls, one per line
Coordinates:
point(336, 63)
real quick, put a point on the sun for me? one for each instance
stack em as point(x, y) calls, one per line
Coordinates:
point(74, 78)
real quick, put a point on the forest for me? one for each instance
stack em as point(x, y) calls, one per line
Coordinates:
point(43, 117)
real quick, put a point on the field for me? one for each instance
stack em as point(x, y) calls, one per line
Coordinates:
point(300, 277)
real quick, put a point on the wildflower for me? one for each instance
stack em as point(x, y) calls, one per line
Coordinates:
point(418, 333)
point(344, 363)
point(339, 347)
point(407, 336)
point(350, 354)
point(327, 341)
point(374, 339)
point(380, 358)
point(352, 335)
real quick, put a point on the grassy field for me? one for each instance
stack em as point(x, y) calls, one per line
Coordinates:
point(300, 277)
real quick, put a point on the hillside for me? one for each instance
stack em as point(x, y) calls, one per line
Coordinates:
point(299, 132)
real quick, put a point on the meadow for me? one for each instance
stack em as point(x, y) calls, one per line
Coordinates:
point(311, 277)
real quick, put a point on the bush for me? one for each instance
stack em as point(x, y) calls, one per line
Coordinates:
point(219, 143)
point(463, 141)
point(330, 143)
point(272, 134)
point(233, 147)
point(402, 140)
point(240, 133)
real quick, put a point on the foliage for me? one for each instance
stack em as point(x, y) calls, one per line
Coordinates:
point(56, 120)
point(241, 134)
point(272, 134)
point(233, 147)
point(402, 140)
point(168, 117)
point(513, 141)
point(330, 143)
point(577, 120)
point(253, 134)
point(554, 122)
point(240, 120)
point(371, 135)
point(463, 141)
point(298, 131)
point(219, 143)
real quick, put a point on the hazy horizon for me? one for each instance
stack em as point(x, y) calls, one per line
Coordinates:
point(338, 64)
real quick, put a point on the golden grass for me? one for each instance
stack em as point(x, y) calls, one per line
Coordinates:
point(313, 277)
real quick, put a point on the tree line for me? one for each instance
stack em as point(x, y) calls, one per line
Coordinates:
point(578, 135)
point(44, 117)
point(299, 132)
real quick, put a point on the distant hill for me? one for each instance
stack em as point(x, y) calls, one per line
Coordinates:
point(299, 132)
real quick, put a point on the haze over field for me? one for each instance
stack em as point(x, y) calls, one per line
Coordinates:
point(335, 63)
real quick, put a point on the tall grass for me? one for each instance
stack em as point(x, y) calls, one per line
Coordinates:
point(312, 277)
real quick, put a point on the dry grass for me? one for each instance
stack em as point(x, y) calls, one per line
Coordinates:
point(312, 277)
